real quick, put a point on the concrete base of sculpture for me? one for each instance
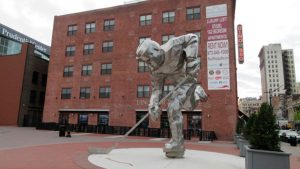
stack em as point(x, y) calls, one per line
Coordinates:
point(149, 158)
point(174, 153)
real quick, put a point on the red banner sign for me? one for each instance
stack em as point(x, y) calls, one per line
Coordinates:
point(240, 44)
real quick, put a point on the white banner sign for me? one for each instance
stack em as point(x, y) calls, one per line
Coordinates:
point(218, 65)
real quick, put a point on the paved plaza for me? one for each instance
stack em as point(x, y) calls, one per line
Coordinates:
point(28, 148)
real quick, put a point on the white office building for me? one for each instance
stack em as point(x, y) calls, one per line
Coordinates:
point(277, 71)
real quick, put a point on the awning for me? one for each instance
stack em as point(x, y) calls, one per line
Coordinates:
point(83, 110)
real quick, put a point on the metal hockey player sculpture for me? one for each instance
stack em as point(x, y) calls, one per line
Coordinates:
point(177, 62)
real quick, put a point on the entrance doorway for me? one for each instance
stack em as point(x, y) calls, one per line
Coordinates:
point(194, 123)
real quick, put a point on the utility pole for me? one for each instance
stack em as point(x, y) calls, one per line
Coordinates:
point(270, 93)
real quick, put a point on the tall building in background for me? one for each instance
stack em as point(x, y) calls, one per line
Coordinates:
point(289, 71)
point(23, 73)
point(277, 71)
point(95, 80)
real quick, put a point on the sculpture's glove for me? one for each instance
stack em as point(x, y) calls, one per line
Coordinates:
point(155, 112)
point(192, 78)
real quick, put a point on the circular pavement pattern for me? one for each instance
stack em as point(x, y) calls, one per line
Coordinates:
point(149, 158)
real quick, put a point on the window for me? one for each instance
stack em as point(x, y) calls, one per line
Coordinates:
point(198, 33)
point(66, 93)
point(164, 122)
point(103, 118)
point(86, 70)
point(70, 51)
point(68, 71)
point(44, 80)
point(109, 25)
point(143, 67)
point(193, 13)
point(168, 17)
point(106, 69)
point(139, 116)
point(83, 119)
point(9, 47)
point(143, 91)
point(72, 29)
point(42, 98)
point(145, 20)
point(32, 98)
point(90, 27)
point(104, 92)
point(143, 38)
point(88, 49)
point(166, 38)
point(85, 93)
point(35, 77)
point(107, 46)
point(167, 89)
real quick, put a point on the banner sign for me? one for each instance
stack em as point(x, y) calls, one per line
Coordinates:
point(14, 35)
point(216, 11)
point(218, 72)
point(217, 28)
point(240, 44)
point(218, 65)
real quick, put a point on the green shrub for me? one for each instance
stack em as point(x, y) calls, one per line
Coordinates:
point(249, 126)
point(264, 135)
point(239, 126)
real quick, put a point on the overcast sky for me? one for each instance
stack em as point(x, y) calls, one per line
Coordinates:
point(264, 22)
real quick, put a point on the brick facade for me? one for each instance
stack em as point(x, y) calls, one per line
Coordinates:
point(218, 114)
point(16, 73)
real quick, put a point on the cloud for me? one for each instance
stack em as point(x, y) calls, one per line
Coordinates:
point(272, 21)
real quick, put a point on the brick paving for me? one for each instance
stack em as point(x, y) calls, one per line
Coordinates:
point(27, 148)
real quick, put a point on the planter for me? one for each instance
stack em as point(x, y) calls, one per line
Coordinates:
point(235, 138)
point(243, 144)
point(239, 141)
point(261, 159)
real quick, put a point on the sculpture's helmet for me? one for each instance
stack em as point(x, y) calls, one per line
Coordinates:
point(145, 46)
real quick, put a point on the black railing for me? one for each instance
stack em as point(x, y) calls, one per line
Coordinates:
point(121, 130)
point(207, 135)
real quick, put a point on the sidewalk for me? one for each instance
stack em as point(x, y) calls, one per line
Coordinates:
point(28, 148)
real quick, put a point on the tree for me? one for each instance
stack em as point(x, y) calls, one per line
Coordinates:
point(239, 126)
point(297, 116)
point(264, 135)
point(249, 126)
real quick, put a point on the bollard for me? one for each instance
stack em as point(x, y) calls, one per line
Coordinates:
point(68, 133)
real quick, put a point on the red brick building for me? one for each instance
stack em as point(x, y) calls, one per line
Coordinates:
point(95, 79)
point(23, 73)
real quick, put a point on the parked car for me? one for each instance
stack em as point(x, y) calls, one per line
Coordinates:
point(285, 135)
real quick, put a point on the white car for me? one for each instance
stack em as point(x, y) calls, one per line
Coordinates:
point(285, 135)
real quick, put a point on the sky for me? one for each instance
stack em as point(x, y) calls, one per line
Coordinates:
point(264, 22)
